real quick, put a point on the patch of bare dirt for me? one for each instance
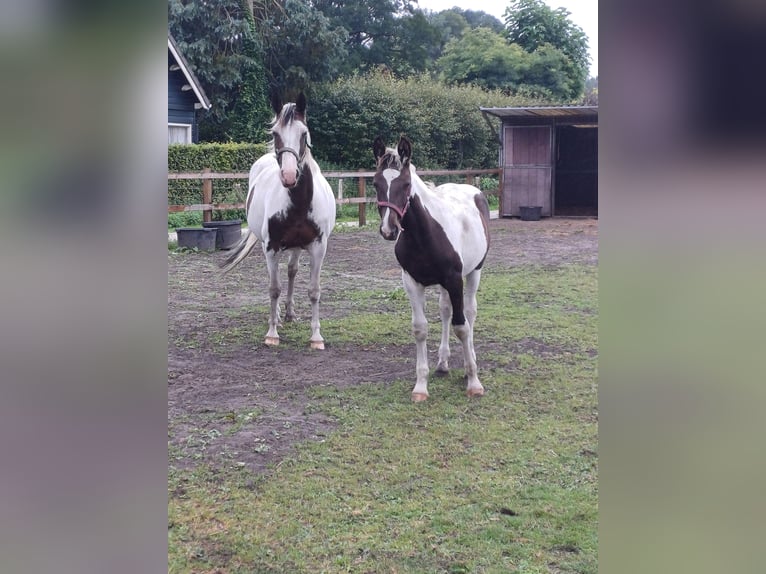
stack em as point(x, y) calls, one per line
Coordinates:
point(234, 402)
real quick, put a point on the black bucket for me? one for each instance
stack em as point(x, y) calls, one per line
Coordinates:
point(229, 232)
point(530, 213)
point(197, 238)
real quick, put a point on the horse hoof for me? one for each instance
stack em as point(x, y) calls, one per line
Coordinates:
point(441, 372)
point(271, 341)
point(318, 345)
point(419, 397)
point(475, 392)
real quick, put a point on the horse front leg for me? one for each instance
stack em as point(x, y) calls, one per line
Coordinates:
point(464, 332)
point(272, 264)
point(417, 296)
point(292, 271)
point(316, 252)
point(445, 312)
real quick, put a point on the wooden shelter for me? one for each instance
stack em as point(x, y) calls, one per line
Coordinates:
point(549, 159)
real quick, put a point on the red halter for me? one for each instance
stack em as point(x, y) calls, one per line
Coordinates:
point(399, 211)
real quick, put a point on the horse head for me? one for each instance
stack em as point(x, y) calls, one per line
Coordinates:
point(393, 184)
point(291, 139)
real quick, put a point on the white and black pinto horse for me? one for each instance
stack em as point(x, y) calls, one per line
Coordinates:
point(290, 208)
point(442, 237)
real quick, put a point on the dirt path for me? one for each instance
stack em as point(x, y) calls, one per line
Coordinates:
point(236, 404)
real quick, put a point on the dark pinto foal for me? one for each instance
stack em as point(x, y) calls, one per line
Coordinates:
point(442, 237)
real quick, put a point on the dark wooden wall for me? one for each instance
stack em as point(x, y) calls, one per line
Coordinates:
point(532, 175)
point(180, 103)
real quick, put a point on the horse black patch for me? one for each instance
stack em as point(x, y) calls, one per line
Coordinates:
point(426, 254)
point(295, 228)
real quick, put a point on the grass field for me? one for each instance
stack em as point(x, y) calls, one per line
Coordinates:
point(506, 483)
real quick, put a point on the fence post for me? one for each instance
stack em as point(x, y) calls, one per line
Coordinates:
point(469, 179)
point(207, 196)
point(340, 188)
point(362, 206)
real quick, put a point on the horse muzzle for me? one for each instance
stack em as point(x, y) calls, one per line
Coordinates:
point(389, 235)
point(289, 178)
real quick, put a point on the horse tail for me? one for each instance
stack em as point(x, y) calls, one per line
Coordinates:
point(240, 251)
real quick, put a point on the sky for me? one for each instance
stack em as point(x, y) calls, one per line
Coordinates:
point(584, 13)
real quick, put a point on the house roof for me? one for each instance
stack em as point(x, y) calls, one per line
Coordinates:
point(187, 71)
point(590, 112)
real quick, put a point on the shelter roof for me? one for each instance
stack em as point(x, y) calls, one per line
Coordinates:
point(547, 112)
point(188, 73)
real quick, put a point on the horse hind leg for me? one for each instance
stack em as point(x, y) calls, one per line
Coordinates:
point(464, 332)
point(292, 271)
point(445, 312)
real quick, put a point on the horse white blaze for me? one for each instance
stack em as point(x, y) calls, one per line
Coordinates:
point(289, 171)
point(385, 221)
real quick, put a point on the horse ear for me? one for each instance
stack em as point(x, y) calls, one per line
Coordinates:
point(300, 105)
point(276, 102)
point(378, 148)
point(404, 149)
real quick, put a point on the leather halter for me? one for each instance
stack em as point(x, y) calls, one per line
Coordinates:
point(298, 157)
point(399, 211)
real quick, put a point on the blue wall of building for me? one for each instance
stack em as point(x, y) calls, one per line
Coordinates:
point(180, 104)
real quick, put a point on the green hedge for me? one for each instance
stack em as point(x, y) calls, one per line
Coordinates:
point(224, 157)
point(444, 122)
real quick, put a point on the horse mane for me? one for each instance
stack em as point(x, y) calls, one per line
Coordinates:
point(391, 160)
point(284, 118)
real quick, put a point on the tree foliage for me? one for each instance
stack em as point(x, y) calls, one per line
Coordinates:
point(218, 40)
point(383, 34)
point(285, 46)
point(301, 46)
point(484, 58)
point(533, 24)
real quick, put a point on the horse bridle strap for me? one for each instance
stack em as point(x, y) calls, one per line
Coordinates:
point(298, 157)
point(399, 211)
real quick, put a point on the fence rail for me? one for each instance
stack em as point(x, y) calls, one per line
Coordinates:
point(207, 177)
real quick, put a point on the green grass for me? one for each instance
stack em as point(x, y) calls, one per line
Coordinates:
point(507, 483)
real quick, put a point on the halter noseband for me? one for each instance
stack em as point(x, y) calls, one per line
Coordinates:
point(298, 157)
point(399, 211)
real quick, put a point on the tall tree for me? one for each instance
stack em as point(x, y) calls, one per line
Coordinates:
point(479, 19)
point(218, 39)
point(484, 58)
point(453, 23)
point(531, 24)
point(301, 46)
point(372, 26)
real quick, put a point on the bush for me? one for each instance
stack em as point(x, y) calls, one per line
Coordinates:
point(487, 183)
point(226, 157)
point(444, 123)
point(184, 219)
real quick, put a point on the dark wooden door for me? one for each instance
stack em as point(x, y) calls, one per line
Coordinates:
point(527, 169)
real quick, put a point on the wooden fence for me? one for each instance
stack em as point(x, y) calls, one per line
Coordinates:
point(207, 176)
